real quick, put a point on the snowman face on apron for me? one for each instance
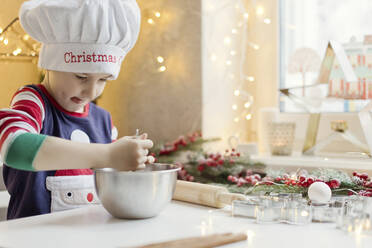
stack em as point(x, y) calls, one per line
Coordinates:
point(68, 192)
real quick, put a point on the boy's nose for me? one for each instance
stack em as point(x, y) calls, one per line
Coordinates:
point(90, 91)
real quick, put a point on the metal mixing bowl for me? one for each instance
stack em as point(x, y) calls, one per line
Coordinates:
point(136, 194)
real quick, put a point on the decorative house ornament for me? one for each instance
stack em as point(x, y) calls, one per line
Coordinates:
point(359, 55)
point(334, 51)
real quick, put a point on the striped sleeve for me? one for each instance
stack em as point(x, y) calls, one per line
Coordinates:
point(25, 115)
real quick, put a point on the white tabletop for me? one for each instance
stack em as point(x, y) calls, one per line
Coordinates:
point(94, 227)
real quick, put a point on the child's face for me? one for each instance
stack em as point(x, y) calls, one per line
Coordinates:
point(74, 90)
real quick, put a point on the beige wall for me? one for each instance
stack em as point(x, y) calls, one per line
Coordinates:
point(165, 104)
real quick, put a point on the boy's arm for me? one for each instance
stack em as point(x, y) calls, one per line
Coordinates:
point(39, 152)
point(124, 154)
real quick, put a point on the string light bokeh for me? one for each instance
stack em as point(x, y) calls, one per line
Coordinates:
point(236, 42)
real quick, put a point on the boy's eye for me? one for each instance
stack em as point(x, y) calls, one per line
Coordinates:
point(80, 77)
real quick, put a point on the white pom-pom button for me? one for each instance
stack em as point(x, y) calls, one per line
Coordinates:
point(319, 192)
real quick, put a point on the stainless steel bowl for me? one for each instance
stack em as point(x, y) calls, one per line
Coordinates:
point(136, 195)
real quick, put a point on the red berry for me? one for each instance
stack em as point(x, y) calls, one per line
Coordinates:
point(256, 176)
point(234, 179)
point(368, 184)
point(335, 183)
point(201, 168)
point(304, 184)
point(364, 176)
point(238, 154)
point(278, 179)
point(233, 150)
point(310, 180)
point(226, 150)
point(248, 179)
point(355, 173)
point(302, 178)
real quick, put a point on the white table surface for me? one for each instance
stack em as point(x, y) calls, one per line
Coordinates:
point(94, 227)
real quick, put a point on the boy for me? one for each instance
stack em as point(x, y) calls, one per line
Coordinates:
point(45, 136)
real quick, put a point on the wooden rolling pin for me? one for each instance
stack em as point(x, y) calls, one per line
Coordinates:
point(201, 242)
point(204, 194)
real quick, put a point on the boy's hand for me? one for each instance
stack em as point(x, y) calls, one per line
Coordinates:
point(130, 152)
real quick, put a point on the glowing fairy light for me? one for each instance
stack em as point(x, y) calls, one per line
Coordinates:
point(246, 16)
point(160, 59)
point(234, 107)
point(234, 31)
point(260, 11)
point(236, 92)
point(228, 62)
point(267, 21)
point(256, 47)
point(17, 51)
point(236, 119)
point(6, 41)
point(232, 52)
point(247, 104)
point(213, 57)
point(1, 30)
point(1, 38)
point(150, 21)
point(250, 78)
point(248, 117)
point(157, 14)
point(26, 37)
point(162, 68)
point(227, 40)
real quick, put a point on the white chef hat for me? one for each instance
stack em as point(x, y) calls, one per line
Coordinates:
point(86, 36)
